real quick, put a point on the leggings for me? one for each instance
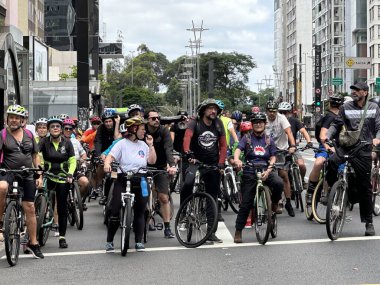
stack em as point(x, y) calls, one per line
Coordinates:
point(139, 207)
point(61, 193)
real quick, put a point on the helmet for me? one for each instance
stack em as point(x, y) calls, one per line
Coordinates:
point(336, 99)
point(284, 106)
point(258, 117)
point(245, 126)
point(16, 110)
point(108, 114)
point(54, 119)
point(347, 99)
point(272, 105)
point(375, 100)
point(41, 121)
point(204, 104)
point(256, 109)
point(95, 119)
point(135, 107)
point(237, 115)
point(134, 121)
point(123, 128)
point(69, 122)
point(220, 104)
point(182, 113)
point(64, 116)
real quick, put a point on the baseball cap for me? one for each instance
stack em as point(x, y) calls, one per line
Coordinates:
point(360, 86)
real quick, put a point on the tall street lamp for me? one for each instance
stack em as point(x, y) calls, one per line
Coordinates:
point(132, 52)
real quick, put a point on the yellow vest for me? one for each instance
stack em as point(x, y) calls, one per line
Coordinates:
point(226, 121)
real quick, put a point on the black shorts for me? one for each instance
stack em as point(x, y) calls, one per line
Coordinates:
point(161, 183)
point(28, 186)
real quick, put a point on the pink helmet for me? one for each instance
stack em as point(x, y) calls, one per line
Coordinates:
point(255, 109)
point(68, 122)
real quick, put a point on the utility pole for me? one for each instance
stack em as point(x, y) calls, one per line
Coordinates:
point(132, 52)
point(259, 84)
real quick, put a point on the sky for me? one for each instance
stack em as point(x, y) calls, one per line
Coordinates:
point(244, 26)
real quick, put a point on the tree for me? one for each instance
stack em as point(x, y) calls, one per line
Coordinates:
point(142, 96)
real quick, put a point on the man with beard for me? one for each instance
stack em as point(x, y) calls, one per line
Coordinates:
point(205, 141)
point(350, 115)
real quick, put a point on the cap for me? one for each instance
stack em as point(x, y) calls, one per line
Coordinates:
point(360, 86)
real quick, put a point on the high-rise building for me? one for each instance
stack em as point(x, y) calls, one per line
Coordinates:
point(31, 18)
point(373, 39)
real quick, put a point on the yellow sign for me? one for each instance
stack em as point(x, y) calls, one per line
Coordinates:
point(350, 62)
point(357, 63)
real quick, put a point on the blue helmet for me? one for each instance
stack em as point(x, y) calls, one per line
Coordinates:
point(108, 114)
point(237, 115)
point(220, 104)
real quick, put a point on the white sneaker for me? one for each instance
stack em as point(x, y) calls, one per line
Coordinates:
point(56, 234)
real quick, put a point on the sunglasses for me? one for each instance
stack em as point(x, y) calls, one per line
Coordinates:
point(55, 127)
point(258, 123)
point(154, 118)
point(95, 123)
point(68, 129)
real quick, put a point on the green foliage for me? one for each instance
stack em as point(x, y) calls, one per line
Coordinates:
point(142, 96)
point(73, 73)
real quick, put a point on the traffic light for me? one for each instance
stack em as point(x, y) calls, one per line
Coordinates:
point(318, 102)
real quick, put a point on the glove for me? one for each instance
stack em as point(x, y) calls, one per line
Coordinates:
point(309, 144)
point(221, 166)
point(189, 155)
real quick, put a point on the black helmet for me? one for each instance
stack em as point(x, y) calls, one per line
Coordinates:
point(336, 99)
point(375, 100)
point(182, 113)
point(204, 104)
point(272, 105)
point(258, 117)
point(237, 115)
point(109, 114)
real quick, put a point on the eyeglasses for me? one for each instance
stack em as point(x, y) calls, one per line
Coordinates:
point(68, 129)
point(55, 126)
point(258, 123)
point(154, 118)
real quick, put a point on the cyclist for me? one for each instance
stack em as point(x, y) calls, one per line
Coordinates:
point(41, 129)
point(89, 135)
point(296, 126)
point(205, 141)
point(227, 124)
point(256, 151)
point(59, 158)
point(80, 156)
point(135, 110)
point(236, 119)
point(131, 153)
point(163, 146)
point(350, 116)
point(105, 135)
point(19, 149)
point(321, 128)
point(278, 128)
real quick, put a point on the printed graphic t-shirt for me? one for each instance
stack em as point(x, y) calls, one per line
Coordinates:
point(276, 130)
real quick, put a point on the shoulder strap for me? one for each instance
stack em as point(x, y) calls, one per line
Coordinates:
point(3, 137)
point(363, 116)
point(29, 133)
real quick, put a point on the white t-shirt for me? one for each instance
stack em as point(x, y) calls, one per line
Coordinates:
point(31, 128)
point(276, 130)
point(130, 155)
point(78, 148)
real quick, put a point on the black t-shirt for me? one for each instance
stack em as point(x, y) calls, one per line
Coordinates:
point(325, 123)
point(205, 140)
point(18, 154)
point(295, 126)
point(178, 137)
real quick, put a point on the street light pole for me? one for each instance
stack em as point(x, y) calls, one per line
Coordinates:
point(132, 52)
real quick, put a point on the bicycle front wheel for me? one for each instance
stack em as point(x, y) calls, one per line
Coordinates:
point(78, 207)
point(319, 202)
point(196, 220)
point(376, 194)
point(12, 233)
point(263, 214)
point(40, 205)
point(336, 210)
point(298, 187)
point(126, 226)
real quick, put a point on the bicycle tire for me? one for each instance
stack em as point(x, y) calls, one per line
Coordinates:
point(274, 227)
point(12, 233)
point(234, 199)
point(198, 217)
point(335, 216)
point(263, 214)
point(78, 207)
point(43, 234)
point(376, 194)
point(70, 211)
point(319, 203)
point(40, 205)
point(297, 181)
point(126, 226)
point(223, 197)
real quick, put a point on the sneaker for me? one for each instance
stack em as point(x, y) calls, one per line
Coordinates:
point(276, 209)
point(56, 234)
point(152, 228)
point(35, 250)
point(54, 227)
point(84, 207)
point(309, 198)
point(220, 218)
point(182, 227)
point(369, 229)
point(214, 238)
point(109, 247)
point(140, 247)
point(289, 208)
point(62, 243)
point(248, 223)
point(103, 200)
point(168, 233)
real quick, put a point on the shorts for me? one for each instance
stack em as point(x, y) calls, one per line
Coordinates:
point(78, 174)
point(281, 161)
point(323, 154)
point(161, 183)
point(28, 186)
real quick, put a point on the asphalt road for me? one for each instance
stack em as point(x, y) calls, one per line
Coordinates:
point(300, 254)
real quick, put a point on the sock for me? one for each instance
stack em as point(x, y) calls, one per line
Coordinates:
point(311, 187)
point(61, 237)
point(167, 225)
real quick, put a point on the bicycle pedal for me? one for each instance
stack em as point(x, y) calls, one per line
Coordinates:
point(159, 226)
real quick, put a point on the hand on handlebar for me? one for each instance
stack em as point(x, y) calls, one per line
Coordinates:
point(376, 141)
point(309, 144)
point(107, 167)
point(172, 170)
point(238, 164)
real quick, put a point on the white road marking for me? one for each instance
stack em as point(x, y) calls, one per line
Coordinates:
point(224, 245)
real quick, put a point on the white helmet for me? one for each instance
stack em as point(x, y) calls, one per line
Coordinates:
point(123, 128)
point(348, 99)
point(285, 106)
point(41, 121)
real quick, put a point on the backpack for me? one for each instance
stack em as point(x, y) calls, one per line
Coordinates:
point(4, 137)
point(318, 126)
point(218, 124)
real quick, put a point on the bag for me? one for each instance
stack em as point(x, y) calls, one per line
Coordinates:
point(4, 137)
point(350, 138)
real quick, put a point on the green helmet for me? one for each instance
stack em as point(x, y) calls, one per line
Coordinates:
point(16, 110)
point(204, 104)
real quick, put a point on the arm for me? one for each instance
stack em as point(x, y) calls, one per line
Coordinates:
point(168, 146)
point(117, 133)
point(152, 157)
point(107, 163)
point(288, 132)
point(172, 135)
point(305, 134)
point(233, 134)
point(222, 149)
point(187, 140)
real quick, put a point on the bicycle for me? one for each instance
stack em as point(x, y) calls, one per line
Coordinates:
point(375, 181)
point(75, 206)
point(91, 175)
point(231, 187)
point(338, 197)
point(14, 221)
point(177, 180)
point(196, 218)
point(265, 220)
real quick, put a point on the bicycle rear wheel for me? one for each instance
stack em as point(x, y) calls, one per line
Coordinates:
point(376, 194)
point(12, 233)
point(319, 202)
point(43, 233)
point(336, 210)
point(297, 187)
point(263, 214)
point(126, 226)
point(196, 220)
point(223, 197)
point(40, 205)
point(78, 206)
point(233, 195)
point(273, 230)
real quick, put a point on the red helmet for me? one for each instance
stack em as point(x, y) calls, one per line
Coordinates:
point(68, 122)
point(245, 126)
point(95, 119)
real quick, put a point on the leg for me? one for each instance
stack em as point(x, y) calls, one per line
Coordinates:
point(61, 192)
point(287, 191)
point(138, 210)
point(83, 184)
point(114, 220)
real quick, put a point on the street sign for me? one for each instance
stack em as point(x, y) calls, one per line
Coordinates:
point(377, 81)
point(337, 81)
point(357, 62)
